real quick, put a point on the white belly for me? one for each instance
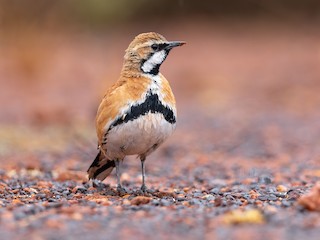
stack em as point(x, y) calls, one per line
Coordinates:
point(138, 137)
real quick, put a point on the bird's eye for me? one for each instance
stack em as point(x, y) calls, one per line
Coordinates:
point(155, 47)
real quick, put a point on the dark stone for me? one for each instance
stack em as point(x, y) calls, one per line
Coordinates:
point(264, 179)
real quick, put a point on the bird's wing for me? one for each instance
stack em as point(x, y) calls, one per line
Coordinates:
point(117, 101)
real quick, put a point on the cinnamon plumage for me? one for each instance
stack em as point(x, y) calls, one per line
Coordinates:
point(138, 112)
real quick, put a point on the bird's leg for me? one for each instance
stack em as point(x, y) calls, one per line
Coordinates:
point(120, 189)
point(143, 186)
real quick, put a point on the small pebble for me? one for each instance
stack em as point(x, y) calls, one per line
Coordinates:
point(155, 202)
point(195, 201)
point(272, 197)
point(265, 179)
point(282, 188)
point(208, 197)
point(197, 194)
point(164, 202)
point(215, 191)
point(286, 203)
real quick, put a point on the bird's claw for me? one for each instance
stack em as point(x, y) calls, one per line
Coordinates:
point(144, 188)
point(121, 190)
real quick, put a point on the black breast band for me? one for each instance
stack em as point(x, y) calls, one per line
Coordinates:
point(151, 104)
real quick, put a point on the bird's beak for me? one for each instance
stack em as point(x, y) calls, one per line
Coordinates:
point(175, 44)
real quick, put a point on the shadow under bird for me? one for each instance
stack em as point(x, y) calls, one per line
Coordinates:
point(138, 112)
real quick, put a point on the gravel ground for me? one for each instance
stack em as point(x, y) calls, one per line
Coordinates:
point(195, 191)
point(243, 163)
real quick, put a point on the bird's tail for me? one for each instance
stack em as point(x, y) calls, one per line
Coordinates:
point(101, 167)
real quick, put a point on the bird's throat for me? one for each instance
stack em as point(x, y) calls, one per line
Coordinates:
point(153, 63)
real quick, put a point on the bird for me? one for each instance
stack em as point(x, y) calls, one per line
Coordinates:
point(138, 112)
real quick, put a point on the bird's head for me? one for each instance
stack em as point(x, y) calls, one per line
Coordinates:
point(147, 52)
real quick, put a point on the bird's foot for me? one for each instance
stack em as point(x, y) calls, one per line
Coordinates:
point(98, 184)
point(121, 190)
point(144, 188)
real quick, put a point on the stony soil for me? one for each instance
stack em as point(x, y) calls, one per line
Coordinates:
point(242, 164)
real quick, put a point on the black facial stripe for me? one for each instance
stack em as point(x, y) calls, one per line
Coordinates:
point(109, 164)
point(155, 70)
point(151, 104)
point(159, 47)
point(163, 46)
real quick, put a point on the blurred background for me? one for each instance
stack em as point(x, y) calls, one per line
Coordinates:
point(247, 83)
